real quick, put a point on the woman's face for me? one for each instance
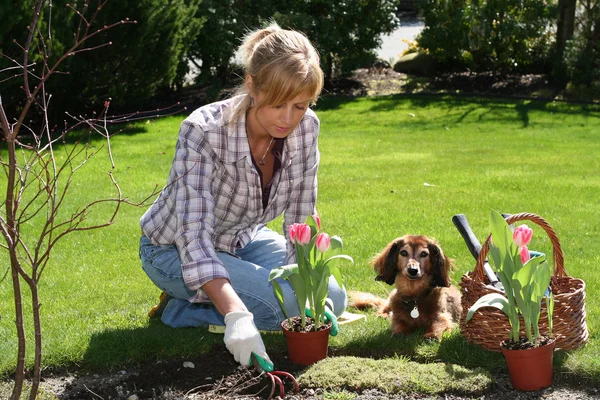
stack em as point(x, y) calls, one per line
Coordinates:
point(278, 120)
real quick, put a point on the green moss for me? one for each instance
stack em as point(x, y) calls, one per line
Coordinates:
point(395, 376)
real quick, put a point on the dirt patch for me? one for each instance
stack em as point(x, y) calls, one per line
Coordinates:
point(215, 375)
point(385, 81)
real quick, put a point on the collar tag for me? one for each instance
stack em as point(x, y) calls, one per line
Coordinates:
point(415, 312)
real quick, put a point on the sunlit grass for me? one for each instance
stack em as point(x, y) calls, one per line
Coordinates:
point(389, 166)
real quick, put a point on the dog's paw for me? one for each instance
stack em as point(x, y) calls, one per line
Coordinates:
point(432, 338)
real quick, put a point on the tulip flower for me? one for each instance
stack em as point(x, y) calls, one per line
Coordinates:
point(524, 251)
point(322, 242)
point(522, 235)
point(300, 233)
point(295, 230)
point(316, 256)
point(317, 220)
point(292, 230)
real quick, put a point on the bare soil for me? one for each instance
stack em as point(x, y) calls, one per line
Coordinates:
point(216, 375)
point(385, 81)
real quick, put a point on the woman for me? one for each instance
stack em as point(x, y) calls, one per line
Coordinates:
point(239, 164)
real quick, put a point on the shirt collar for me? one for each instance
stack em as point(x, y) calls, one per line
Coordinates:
point(237, 142)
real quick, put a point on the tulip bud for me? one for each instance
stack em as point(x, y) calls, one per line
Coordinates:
point(293, 230)
point(317, 220)
point(322, 242)
point(522, 235)
point(524, 251)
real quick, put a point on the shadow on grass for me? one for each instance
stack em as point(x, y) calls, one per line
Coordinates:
point(453, 348)
point(92, 137)
point(83, 137)
point(521, 107)
point(114, 348)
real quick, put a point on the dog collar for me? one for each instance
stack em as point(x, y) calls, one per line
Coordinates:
point(408, 304)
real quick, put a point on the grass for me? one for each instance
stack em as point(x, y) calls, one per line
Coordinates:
point(389, 166)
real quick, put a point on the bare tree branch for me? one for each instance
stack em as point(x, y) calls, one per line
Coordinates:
point(41, 167)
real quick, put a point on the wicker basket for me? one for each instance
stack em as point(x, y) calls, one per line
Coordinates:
point(489, 326)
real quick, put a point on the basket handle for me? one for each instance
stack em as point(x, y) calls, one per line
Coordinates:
point(557, 256)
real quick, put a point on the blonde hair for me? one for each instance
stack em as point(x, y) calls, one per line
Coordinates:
point(283, 64)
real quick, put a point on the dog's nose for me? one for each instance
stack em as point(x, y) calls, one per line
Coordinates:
point(413, 271)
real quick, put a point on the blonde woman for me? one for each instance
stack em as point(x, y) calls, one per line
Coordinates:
point(239, 164)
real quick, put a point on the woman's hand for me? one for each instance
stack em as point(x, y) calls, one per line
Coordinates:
point(241, 335)
point(242, 338)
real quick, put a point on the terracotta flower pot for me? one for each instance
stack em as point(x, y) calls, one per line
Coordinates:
point(530, 369)
point(306, 348)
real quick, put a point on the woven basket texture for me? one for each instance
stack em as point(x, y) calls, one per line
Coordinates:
point(490, 326)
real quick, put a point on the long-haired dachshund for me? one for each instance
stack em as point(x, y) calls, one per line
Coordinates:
point(423, 296)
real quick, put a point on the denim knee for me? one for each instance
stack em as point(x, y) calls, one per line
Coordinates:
point(338, 297)
point(163, 266)
point(267, 317)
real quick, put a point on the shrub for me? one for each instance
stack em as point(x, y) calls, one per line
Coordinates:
point(346, 33)
point(582, 56)
point(143, 58)
point(504, 35)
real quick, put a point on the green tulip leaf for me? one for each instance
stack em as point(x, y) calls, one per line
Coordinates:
point(283, 272)
point(489, 300)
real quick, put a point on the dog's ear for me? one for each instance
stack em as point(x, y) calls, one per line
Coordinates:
point(386, 263)
point(440, 265)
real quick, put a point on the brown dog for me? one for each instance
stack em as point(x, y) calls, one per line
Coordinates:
point(423, 296)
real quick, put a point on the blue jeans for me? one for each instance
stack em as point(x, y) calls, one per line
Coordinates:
point(248, 272)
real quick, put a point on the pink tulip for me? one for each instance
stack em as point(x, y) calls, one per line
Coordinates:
point(522, 235)
point(524, 251)
point(304, 234)
point(293, 229)
point(318, 220)
point(322, 242)
point(300, 233)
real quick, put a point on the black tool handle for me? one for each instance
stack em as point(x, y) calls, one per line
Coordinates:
point(461, 223)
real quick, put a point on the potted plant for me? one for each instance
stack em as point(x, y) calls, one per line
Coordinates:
point(525, 282)
point(316, 255)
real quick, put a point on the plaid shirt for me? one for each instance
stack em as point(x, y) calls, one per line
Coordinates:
point(213, 197)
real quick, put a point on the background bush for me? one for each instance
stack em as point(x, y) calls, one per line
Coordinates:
point(226, 22)
point(142, 59)
point(582, 57)
point(501, 35)
point(346, 33)
point(155, 54)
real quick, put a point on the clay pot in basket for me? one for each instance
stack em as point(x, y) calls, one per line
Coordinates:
point(490, 326)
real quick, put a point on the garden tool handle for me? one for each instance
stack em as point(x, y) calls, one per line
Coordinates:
point(461, 223)
point(329, 316)
point(260, 363)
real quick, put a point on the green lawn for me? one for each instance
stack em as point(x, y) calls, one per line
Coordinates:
point(389, 166)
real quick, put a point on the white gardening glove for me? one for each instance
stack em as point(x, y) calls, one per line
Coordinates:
point(242, 338)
